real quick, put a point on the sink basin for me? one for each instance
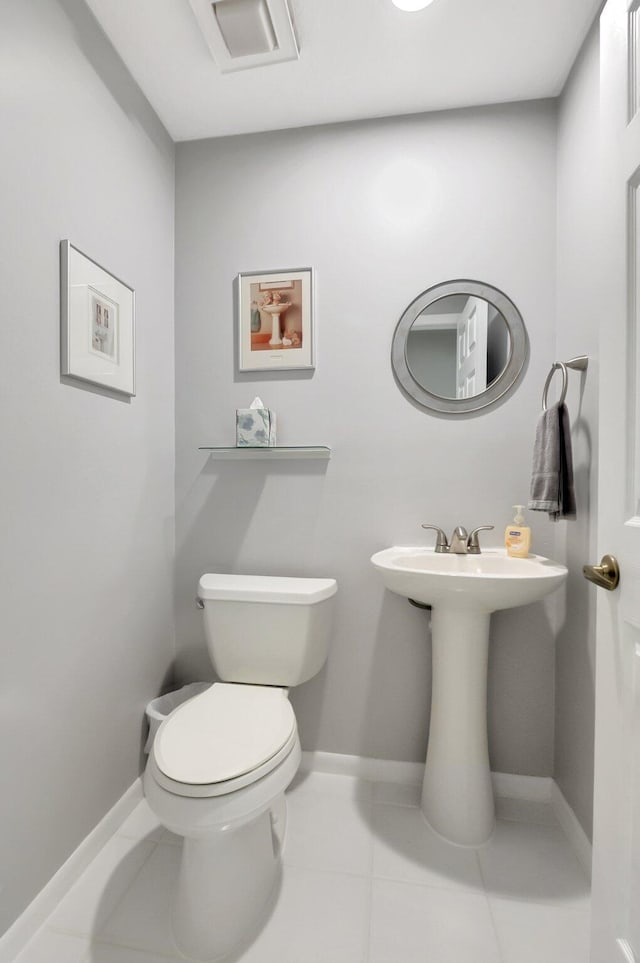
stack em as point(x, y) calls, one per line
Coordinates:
point(485, 582)
point(463, 591)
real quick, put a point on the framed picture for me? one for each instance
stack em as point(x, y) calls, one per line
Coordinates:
point(97, 322)
point(275, 320)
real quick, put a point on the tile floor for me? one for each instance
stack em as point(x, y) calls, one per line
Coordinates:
point(365, 881)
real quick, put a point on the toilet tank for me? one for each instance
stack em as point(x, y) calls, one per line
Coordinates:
point(265, 630)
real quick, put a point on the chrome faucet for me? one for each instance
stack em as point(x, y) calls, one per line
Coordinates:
point(461, 542)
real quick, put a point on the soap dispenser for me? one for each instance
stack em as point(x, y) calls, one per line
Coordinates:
point(517, 536)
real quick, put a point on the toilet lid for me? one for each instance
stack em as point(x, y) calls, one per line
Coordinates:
point(229, 730)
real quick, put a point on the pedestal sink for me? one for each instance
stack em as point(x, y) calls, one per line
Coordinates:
point(275, 311)
point(463, 591)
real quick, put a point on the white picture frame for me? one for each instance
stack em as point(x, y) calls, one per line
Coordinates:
point(271, 339)
point(97, 323)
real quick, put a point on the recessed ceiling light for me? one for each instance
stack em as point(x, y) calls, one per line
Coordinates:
point(411, 5)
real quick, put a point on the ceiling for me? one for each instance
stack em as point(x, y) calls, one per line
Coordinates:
point(358, 59)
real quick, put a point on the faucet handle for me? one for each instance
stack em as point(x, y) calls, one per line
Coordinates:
point(473, 545)
point(442, 544)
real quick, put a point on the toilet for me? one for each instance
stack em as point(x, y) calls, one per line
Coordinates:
point(220, 763)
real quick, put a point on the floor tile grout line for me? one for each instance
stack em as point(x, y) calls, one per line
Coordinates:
point(45, 931)
point(370, 822)
point(452, 890)
point(462, 890)
point(487, 900)
point(148, 839)
point(137, 839)
point(120, 944)
point(480, 871)
point(326, 872)
point(558, 904)
point(369, 927)
point(385, 878)
point(64, 931)
point(496, 930)
point(372, 842)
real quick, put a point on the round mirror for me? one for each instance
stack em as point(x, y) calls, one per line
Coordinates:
point(459, 347)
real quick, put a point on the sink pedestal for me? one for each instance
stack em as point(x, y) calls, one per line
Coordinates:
point(275, 312)
point(457, 794)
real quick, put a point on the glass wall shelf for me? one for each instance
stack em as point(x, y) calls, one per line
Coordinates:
point(301, 451)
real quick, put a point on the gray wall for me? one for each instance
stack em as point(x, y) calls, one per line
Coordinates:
point(87, 480)
point(382, 210)
point(577, 333)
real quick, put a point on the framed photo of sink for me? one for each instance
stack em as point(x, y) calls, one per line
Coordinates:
point(275, 321)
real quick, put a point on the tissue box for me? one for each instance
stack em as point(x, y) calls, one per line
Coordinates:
point(255, 428)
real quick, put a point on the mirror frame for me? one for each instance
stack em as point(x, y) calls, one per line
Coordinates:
point(505, 382)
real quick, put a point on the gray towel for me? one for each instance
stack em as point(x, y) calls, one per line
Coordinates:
point(552, 475)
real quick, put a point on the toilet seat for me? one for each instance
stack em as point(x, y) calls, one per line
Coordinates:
point(223, 739)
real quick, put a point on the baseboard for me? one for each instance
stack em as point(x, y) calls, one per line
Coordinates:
point(362, 767)
point(528, 788)
point(508, 785)
point(25, 927)
point(572, 828)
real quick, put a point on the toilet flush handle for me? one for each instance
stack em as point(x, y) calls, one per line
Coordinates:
point(199, 603)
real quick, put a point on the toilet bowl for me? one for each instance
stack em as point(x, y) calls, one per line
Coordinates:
point(221, 762)
point(216, 776)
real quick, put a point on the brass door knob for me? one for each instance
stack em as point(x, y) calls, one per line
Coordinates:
point(606, 575)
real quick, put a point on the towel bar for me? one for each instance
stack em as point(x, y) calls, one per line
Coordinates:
point(580, 363)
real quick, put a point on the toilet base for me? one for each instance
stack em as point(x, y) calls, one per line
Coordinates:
point(231, 859)
point(226, 886)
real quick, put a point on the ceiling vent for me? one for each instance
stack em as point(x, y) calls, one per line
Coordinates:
point(247, 33)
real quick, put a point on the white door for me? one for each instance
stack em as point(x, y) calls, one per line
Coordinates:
point(471, 367)
point(616, 851)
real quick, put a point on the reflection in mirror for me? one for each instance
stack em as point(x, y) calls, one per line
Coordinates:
point(458, 346)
